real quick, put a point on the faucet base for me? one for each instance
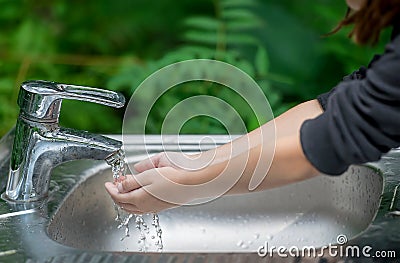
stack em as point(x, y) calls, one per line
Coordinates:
point(19, 205)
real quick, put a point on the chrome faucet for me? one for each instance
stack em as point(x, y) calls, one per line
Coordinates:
point(40, 143)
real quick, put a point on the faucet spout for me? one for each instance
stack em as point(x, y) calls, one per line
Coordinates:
point(32, 162)
point(77, 144)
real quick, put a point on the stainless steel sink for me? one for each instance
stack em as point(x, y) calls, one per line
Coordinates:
point(311, 213)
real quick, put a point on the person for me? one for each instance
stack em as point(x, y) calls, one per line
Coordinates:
point(356, 122)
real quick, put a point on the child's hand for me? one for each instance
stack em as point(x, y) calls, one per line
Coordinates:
point(162, 182)
point(152, 190)
point(176, 160)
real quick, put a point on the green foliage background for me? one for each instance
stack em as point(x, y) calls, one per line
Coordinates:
point(117, 44)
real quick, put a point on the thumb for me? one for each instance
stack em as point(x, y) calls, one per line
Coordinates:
point(130, 183)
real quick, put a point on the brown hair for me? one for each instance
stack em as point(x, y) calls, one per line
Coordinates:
point(370, 20)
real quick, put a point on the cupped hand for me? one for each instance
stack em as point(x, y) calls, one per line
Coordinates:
point(176, 160)
point(164, 180)
point(155, 161)
point(152, 190)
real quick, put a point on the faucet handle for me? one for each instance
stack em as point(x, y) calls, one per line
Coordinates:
point(41, 100)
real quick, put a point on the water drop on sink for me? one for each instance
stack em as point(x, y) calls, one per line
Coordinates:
point(239, 243)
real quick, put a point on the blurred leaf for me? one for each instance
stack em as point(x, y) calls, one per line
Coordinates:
point(206, 23)
point(201, 37)
point(239, 3)
point(262, 61)
point(238, 14)
point(243, 25)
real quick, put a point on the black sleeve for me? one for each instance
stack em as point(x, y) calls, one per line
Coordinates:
point(361, 119)
point(358, 74)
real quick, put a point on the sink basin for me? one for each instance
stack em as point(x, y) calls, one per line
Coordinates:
point(310, 213)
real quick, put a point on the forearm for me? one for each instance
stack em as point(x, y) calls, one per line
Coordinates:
point(249, 153)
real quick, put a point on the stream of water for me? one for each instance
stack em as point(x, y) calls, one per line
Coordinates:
point(123, 218)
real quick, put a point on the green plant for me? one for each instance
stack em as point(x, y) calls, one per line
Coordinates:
point(117, 45)
point(225, 35)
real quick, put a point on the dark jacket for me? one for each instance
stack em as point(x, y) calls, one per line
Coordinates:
point(361, 118)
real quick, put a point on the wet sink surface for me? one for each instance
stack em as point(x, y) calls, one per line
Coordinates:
point(310, 213)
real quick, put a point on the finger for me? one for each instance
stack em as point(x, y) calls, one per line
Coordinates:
point(127, 198)
point(113, 191)
point(133, 182)
point(111, 188)
point(147, 164)
point(130, 208)
point(130, 183)
point(115, 194)
point(119, 179)
point(136, 212)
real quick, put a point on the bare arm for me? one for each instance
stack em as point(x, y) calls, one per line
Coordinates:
point(289, 163)
point(159, 183)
